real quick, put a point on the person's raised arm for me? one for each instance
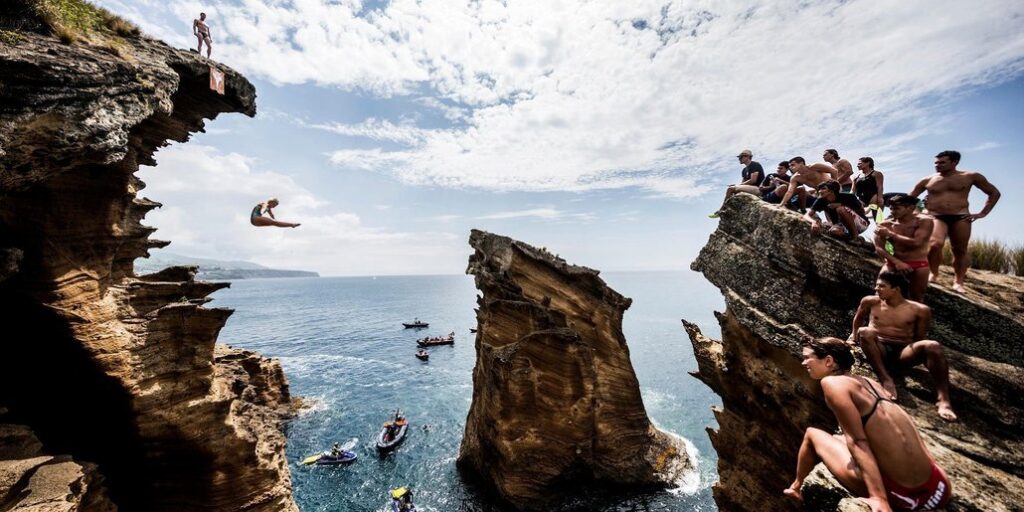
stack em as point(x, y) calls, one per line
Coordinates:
point(881, 235)
point(993, 196)
point(839, 399)
point(922, 323)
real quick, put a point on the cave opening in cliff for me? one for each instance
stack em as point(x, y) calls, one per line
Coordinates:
point(49, 383)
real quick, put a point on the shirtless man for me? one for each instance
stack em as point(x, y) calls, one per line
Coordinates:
point(908, 232)
point(809, 175)
point(895, 334)
point(948, 191)
point(202, 33)
point(842, 165)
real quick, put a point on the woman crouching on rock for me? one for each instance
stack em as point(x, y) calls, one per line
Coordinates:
point(880, 456)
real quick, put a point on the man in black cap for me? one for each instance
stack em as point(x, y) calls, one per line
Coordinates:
point(753, 175)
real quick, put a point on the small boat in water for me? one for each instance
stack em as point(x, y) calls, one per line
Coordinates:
point(337, 455)
point(436, 340)
point(422, 355)
point(401, 500)
point(392, 433)
point(416, 324)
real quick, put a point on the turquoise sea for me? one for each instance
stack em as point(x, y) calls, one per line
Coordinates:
point(343, 348)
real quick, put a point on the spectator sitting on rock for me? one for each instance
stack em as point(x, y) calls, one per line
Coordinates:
point(775, 185)
point(895, 338)
point(843, 212)
point(844, 171)
point(807, 175)
point(752, 174)
point(880, 455)
point(907, 233)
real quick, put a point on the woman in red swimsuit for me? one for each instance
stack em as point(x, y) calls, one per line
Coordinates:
point(880, 455)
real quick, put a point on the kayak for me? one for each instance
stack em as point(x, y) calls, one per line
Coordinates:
point(415, 325)
point(386, 445)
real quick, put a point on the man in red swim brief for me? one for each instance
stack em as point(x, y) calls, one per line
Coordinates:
point(903, 242)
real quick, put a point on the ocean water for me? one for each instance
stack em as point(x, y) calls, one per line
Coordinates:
point(343, 348)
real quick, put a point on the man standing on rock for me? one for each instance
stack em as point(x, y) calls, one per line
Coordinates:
point(906, 234)
point(202, 33)
point(843, 168)
point(895, 336)
point(947, 201)
point(809, 175)
point(752, 174)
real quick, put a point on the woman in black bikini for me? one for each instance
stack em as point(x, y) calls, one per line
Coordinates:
point(257, 219)
point(880, 455)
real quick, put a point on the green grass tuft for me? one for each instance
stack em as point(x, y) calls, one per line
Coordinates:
point(75, 20)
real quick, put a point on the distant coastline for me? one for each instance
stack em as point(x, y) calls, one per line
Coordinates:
point(216, 270)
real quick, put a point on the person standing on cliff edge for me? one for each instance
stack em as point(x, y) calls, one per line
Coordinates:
point(880, 456)
point(202, 32)
point(947, 201)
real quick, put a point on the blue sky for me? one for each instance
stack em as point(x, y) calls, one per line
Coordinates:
point(601, 130)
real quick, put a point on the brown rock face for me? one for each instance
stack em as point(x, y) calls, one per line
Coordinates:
point(118, 370)
point(555, 401)
point(780, 284)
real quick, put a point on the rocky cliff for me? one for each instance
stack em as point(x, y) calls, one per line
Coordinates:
point(114, 382)
point(556, 404)
point(780, 284)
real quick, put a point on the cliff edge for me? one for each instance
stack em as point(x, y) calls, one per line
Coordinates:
point(556, 404)
point(780, 284)
point(114, 392)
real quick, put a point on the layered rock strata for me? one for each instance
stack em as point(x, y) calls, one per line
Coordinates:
point(119, 376)
point(781, 284)
point(556, 404)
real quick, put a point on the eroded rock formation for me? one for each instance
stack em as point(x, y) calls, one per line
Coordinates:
point(118, 377)
point(780, 284)
point(555, 401)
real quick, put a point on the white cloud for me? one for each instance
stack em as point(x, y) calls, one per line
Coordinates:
point(576, 95)
point(985, 146)
point(220, 189)
point(540, 213)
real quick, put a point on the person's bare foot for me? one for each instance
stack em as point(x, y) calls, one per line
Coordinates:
point(890, 387)
point(295, 225)
point(946, 411)
point(933, 278)
point(793, 492)
point(959, 288)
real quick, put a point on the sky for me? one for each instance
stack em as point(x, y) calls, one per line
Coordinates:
point(605, 131)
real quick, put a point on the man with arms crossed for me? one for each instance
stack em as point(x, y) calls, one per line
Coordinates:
point(809, 175)
point(948, 191)
point(895, 335)
point(908, 233)
point(843, 167)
